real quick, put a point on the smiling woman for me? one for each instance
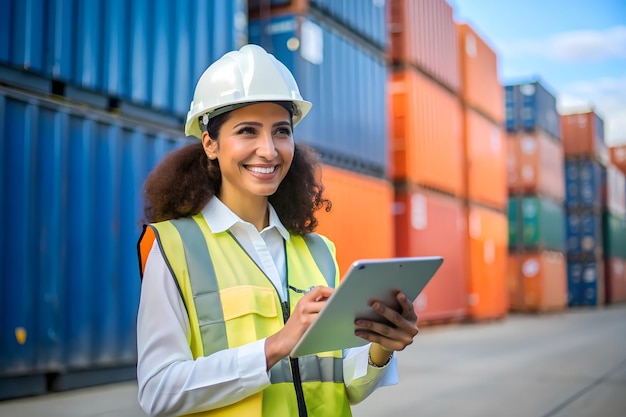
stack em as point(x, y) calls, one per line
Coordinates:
point(229, 244)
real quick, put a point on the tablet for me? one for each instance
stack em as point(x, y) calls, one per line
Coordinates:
point(366, 280)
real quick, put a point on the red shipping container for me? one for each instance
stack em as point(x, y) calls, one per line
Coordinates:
point(535, 165)
point(429, 223)
point(544, 281)
point(426, 133)
point(618, 157)
point(615, 280)
point(480, 86)
point(486, 161)
point(488, 254)
point(360, 222)
point(423, 33)
point(583, 135)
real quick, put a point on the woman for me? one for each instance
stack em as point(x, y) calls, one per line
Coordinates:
point(229, 253)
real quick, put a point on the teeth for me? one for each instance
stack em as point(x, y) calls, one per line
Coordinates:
point(262, 170)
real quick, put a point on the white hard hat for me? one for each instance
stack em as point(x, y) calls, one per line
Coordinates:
point(248, 75)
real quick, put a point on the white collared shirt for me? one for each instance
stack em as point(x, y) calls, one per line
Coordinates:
point(172, 382)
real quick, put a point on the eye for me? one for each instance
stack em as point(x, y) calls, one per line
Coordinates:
point(283, 131)
point(247, 130)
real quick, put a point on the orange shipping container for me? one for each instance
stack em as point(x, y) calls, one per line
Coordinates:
point(360, 222)
point(618, 157)
point(583, 135)
point(544, 278)
point(615, 280)
point(429, 223)
point(488, 241)
point(423, 33)
point(426, 138)
point(535, 165)
point(480, 86)
point(486, 161)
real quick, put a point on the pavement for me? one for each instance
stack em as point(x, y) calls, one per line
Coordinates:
point(567, 364)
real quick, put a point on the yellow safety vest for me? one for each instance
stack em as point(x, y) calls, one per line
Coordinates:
point(231, 302)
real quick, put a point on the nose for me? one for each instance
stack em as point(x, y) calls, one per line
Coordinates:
point(266, 147)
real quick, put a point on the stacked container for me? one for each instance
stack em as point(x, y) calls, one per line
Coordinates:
point(586, 200)
point(86, 110)
point(537, 266)
point(335, 52)
point(482, 110)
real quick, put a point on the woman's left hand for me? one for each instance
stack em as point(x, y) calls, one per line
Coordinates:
point(390, 338)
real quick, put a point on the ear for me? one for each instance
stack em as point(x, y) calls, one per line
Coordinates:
point(210, 146)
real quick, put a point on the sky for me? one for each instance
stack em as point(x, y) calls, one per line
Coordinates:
point(576, 48)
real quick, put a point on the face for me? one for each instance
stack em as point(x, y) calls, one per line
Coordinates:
point(255, 149)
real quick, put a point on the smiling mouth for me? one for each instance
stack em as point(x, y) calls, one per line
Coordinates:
point(262, 170)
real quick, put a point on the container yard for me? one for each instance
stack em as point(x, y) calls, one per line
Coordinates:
point(425, 152)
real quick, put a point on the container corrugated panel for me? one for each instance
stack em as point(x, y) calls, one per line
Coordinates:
point(487, 286)
point(583, 135)
point(585, 283)
point(544, 281)
point(543, 223)
point(339, 78)
point(530, 107)
point(615, 279)
point(146, 52)
point(423, 33)
point(514, 282)
point(486, 160)
point(74, 179)
point(344, 223)
point(365, 18)
point(590, 183)
point(428, 223)
point(572, 184)
point(616, 191)
point(535, 165)
point(480, 85)
point(426, 133)
point(573, 233)
point(614, 231)
point(618, 157)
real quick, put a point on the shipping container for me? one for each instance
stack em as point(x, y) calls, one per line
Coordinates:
point(617, 156)
point(583, 135)
point(486, 162)
point(585, 283)
point(535, 165)
point(428, 223)
point(615, 191)
point(358, 201)
point(365, 18)
point(584, 234)
point(480, 85)
point(426, 133)
point(615, 279)
point(540, 223)
point(531, 107)
point(585, 183)
point(487, 286)
point(348, 123)
point(514, 282)
point(71, 181)
point(150, 53)
point(541, 281)
point(614, 234)
point(423, 34)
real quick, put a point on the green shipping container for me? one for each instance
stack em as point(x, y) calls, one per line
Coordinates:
point(543, 223)
point(614, 231)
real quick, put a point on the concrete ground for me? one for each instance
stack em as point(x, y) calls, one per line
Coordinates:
point(569, 364)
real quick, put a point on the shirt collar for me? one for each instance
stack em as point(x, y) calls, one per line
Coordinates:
point(220, 218)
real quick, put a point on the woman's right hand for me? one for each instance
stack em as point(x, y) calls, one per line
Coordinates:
point(281, 343)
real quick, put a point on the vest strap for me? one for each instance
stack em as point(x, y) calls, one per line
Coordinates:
point(312, 369)
point(322, 256)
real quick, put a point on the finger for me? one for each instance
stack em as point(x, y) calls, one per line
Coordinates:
point(388, 343)
point(319, 293)
point(408, 310)
point(395, 318)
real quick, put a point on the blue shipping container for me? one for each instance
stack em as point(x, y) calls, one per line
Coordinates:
point(529, 106)
point(585, 183)
point(584, 233)
point(345, 83)
point(585, 285)
point(150, 53)
point(71, 185)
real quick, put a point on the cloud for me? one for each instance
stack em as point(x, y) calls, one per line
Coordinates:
point(574, 46)
point(606, 96)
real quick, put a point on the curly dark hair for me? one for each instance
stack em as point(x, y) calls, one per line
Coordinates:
point(186, 179)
